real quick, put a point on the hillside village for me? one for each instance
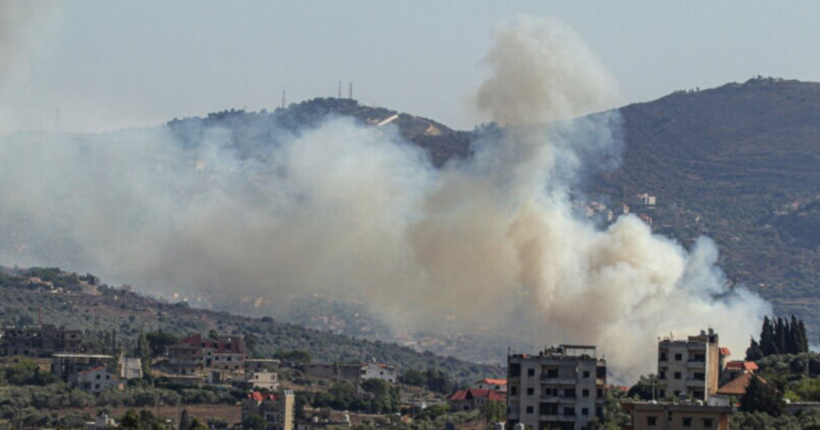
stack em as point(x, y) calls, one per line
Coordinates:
point(222, 380)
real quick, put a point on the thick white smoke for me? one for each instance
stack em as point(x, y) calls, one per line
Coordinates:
point(491, 241)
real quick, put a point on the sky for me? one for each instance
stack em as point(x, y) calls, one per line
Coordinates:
point(108, 65)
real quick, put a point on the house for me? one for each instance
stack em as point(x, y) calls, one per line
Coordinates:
point(379, 371)
point(39, 341)
point(64, 366)
point(689, 367)
point(676, 416)
point(735, 369)
point(737, 387)
point(96, 380)
point(260, 374)
point(277, 410)
point(499, 385)
point(102, 422)
point(561, 387)
point(472, 398)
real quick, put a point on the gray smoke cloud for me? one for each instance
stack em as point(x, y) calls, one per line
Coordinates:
point(353, 211)
point(24, 26)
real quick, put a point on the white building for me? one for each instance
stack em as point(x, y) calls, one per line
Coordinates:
point(560, 388)
point(379, 371)
point(96, 380)
point(499, 385)
point(689, 367)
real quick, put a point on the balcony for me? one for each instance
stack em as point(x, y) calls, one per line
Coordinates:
point(696, 364)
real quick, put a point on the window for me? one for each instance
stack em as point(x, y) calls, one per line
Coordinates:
point(599, 394)
point(662, 374)
point(569, 393)
point(663, 356)
point(687, 422)
point(530, 391)
point(678, 357)
point(515, 370)
point(601, 372)
point(585, 393)
point(677, 375)
point(651, 421)
point(552, 373)
point(661, 394)
point(707, 423)
point(529, 409)
point(513, 391)
point(98, 376)
point(569, 411)
point(548, 409)
point(530, 372)
point(699, 376)
point(585, 412)
point(586, 374)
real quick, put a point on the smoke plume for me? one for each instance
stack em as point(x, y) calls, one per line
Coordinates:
point(24, 26)
point(353, 211)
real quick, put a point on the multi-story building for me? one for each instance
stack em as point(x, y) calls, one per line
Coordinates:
point(560, 388)
point(39, 341)
point(379, 371)
point(676, 416)
point(690, 367)
point(278, 410)
point(260, 374)
point(66, 366)
point(195, 355)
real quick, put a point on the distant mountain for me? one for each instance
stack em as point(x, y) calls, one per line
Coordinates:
point(739, 163)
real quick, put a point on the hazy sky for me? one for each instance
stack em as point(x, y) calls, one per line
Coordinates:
point(114, 64)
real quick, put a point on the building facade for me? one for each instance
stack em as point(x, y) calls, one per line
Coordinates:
point(96, 380)
point(473, 399)
point(676, 416)
point(218, 357)
point(560, 388)
point(379, 371)
point(278, 411)
point(499, 385)
point(39, 341)
point(689, 368)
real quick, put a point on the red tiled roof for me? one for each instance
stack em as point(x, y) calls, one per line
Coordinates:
point(725, 351)
point(470, 393)
point(87, 371)
point(741, 365)
point(738, 386)
point(256, 395)
point(491, 381)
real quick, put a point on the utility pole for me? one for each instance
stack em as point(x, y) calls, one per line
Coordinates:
point(350, 91)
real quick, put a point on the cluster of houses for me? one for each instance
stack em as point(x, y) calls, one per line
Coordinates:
point(564, 387)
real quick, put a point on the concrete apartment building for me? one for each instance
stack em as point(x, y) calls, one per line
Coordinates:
point(689, 367)
point(560, 388)
point(676, 416)
point(196, 354)
point(261, 374)
point(39, 341)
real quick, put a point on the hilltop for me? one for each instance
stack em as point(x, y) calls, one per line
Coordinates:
point(739, 163)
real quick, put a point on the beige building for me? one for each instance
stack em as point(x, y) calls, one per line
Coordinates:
point(560, 388)
point(689, 367)
point(279, 410)
point(676, 416)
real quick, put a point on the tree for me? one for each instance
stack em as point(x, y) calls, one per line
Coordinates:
point(158, 341)
point(493, 412)
point(196, 424)
point(762, 397)
point(645, 388)
point(213, 334)
point(254, 422)
point(754, 352)
point(185, 420)
point(143, 351)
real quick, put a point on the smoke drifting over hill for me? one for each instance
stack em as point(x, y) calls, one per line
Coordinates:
point(349, 210)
